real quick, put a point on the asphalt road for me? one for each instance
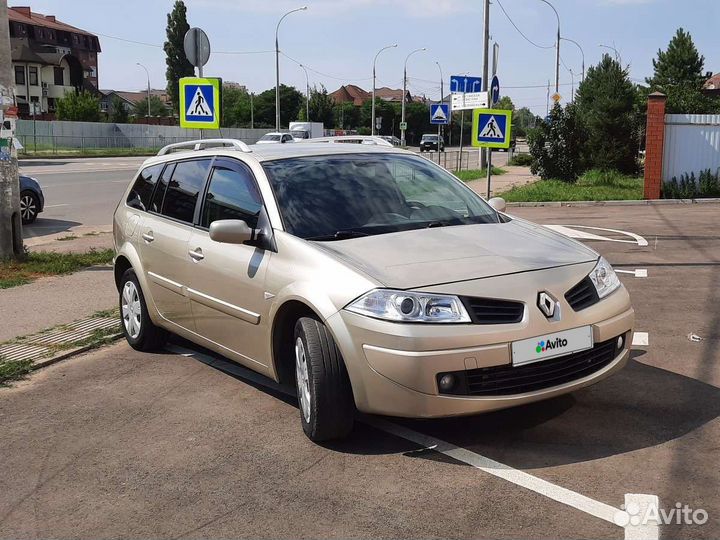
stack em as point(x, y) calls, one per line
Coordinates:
point(78, 191)
point(127, 445)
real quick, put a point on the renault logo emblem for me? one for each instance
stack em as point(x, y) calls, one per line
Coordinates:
point(547, 304)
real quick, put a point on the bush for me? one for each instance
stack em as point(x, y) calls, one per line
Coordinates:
point(521, 160)
point(706, 185)
point(556, 144)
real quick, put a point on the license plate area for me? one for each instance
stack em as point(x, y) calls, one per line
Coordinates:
point(551, 345)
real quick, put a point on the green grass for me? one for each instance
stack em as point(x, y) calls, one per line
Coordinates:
point(477, 174)
point(592, 186)
point(49, 152)
point(46, 263)
point(13, 370)
point(66, 238)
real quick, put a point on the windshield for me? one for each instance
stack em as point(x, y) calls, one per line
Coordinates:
point(429, 137)
point(299, 134)
point(270, 137)
point(343, 196)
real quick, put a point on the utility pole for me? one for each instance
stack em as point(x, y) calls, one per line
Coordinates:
point(307, 94)
point(252, 111)
point(372, 115)
point(442, 101)
point(404, 96)
point(277, 67)
point(485, 73)
point(557, 48)
point(11, 244)
point(148, 87)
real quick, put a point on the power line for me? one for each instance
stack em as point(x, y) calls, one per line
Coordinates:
point(156, 46)
point(521, 32)
point(325, 74)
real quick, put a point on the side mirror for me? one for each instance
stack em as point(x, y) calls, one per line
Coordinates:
point(498, 203)
point(231, 231)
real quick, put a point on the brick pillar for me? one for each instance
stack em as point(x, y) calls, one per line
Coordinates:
point(654, 140)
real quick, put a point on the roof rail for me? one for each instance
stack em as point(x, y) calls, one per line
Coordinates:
point(202, 144)
point(357, 139)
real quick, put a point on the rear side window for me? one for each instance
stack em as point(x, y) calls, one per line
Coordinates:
point(232, 194)
point(159, 194)
point(142, 190)
point(184, 189)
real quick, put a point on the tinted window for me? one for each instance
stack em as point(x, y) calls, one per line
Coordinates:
point(184, 189)
point(270, 138)
point(159, 195)
point(142, 190)
point(329, 197)
point(232, 194)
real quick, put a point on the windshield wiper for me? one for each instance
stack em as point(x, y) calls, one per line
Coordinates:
point(339, 235)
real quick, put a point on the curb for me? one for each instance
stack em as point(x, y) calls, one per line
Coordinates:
point(649, 202)
point(70, 353)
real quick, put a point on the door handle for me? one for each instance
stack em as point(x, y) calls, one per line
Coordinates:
point(148, 236)
point(196, 255)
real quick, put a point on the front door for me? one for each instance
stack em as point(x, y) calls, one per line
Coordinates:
point(227, 285)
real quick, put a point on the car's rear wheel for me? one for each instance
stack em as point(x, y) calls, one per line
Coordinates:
point(29, 207)
point(327, 408)
point(139, 330)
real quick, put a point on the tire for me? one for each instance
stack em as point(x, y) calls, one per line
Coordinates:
point(327, 407)
point(29, 207)
point(138, 329)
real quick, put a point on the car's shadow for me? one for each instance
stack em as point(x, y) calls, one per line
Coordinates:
point(44, 227)
point(41, 162)
point(639, 407)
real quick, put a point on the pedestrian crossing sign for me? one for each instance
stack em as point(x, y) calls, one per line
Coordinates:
point(200, 103)
point(491, 128)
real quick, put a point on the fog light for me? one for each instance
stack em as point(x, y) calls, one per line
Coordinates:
point(447, 382)
point(620, 343)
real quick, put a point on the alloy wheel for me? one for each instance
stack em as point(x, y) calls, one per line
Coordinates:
point(28, 210)
point(131, 309)
point(303, 378)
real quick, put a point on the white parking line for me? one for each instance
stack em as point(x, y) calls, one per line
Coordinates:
point(520, 478)
point(55, 205)
point(640, 272)
point(570, 231)
point(640, 339)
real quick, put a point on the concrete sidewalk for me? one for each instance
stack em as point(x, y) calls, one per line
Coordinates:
point(55, 300)
point(515, 176)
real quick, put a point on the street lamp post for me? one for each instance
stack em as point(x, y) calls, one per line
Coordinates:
point(277, 67)
point(572, 87)
point(618, 58)
point(442, 98)
point(148, 90)
point(404, 96)
point(581, 52)
point(372, 115)
point(307, 94)
point(557, 48)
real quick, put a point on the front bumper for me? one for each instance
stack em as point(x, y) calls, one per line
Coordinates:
point(394, 367)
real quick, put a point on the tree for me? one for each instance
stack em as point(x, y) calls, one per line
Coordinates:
point(347, 116)
point(679, 73)
point(157, 107)
point(177, 63)
point(606, 103)
point(321, 107)
point(505, 104)
point(235, 107)
point(290, 102)
point(118, 111)
point(79, 107)
point(523, 120)
point(556, 144)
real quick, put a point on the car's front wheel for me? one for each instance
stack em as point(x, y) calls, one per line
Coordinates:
point(29, 207)
point(139, 330)
point(327, 408)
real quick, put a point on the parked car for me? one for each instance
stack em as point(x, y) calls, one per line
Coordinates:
point(369, 278)
point(392, 139)
point(429, 142)
point(32, 200)
point(276, 138)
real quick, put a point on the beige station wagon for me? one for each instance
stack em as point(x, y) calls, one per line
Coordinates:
point(368, 277)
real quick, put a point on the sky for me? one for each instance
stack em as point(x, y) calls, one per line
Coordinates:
point(336, 40)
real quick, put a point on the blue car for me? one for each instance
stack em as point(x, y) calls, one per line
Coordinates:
point(32, 200)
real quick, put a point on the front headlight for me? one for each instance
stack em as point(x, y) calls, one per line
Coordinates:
point(604, 278)
point(404, 306)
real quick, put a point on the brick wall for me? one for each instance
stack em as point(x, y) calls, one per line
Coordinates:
point(654, 141)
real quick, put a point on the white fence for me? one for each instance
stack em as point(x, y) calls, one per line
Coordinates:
point(692, 144)
point(59, 135)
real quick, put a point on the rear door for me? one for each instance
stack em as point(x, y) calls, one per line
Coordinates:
point(164, 237)
point(227, 281)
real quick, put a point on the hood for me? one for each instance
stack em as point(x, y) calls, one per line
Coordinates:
point(424, 257)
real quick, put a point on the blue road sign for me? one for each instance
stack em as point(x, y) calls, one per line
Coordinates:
point(200, 99)
point(491, 128)
point(495, 90)
point(440, 114)
point(461, 84)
